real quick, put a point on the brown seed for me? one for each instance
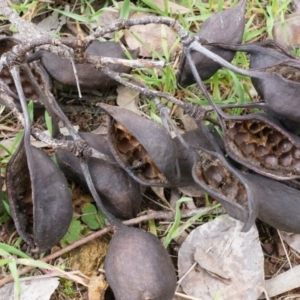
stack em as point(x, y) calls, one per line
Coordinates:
point(285, 159)
point(256, 127)
point(261, 151)
point(273, 139)
point(230, 190)
point(296, 153)
point(271, 161)
point(241, 138)
point(214, 176)
point(247, 149)
point(284, 146)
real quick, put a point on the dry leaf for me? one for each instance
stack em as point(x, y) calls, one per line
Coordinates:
point(287, 33)
point(152, 35)
point(53, 23)
point(292, 239)
point(209, 264)
point(237, 255)
point(172, 7)
point(32, 289)
point(127, 98)
point(284, 282)
point(109, 16)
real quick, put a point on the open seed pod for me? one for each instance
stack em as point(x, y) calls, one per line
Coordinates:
point(6, 44)
point(137, 267)
point(89, 77)
point(142, 147)
point(193, 139)
point(224, 27)
point(39, 199)
point(277, 81)
point(279, 204)
point(259, 142)
point(225, 184)
point(119, 192)
point(279, 86)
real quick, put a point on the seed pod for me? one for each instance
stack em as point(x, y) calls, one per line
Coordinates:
point(276, 83)
point(142, 148)
point(137, 267)
point(224, 27)
point(225, 184)
point(39, 199)
point(6, 44)
point(119, 192)
point(89, 77)
point(193, 139)
point(279, 204)
point(260, 143)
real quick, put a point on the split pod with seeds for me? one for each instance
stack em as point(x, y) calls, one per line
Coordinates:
point(224, 183)
point(120, 193)
point(224, 27)
point(259, 142)
point(185, 153)
point(247, 196)
point(142, 147)
point(39, 199)
point(89, 77)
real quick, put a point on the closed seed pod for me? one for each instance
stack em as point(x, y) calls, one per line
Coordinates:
point(142, 147)
point(39, 199)
point(279, 204)
point(225, 184)
point(119, 192)
point(89, 77)
point(224, 27)
point(137, 266)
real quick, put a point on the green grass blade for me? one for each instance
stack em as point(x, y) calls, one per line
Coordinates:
point(48, 122)
point(171, 233)
point(124, 13)
point(17, 284)
point(71, 15)
point(13, 250)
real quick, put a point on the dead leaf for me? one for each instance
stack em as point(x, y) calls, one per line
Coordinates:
point(292, 239)
point(32, 289)
point(152, 35)
point(287, 33)
point(283, 282)
point(127, 98)
point(237, 256)
point(110, 15)
point(173, 8)
point(53, 23)
point(192, 190)
point(189, 123)
point(209, 264)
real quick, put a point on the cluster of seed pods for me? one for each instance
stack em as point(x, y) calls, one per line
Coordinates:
point(142, 153)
